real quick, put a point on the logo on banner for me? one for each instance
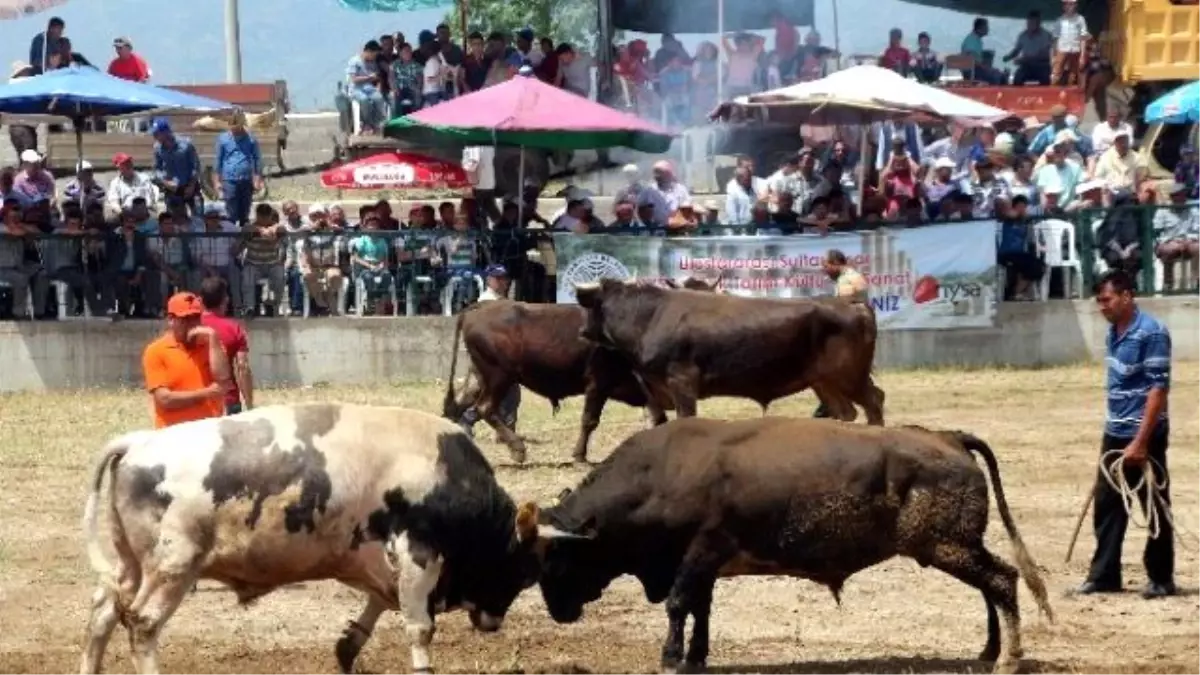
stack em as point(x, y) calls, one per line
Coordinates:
point(591, 267)
point(385, 174)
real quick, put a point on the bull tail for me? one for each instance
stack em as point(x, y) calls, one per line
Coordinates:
point(450, 402)
point(111, 455)
point(1025, 563)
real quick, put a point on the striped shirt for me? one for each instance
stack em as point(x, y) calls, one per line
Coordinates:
point(1138, 360)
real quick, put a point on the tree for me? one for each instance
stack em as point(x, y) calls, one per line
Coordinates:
point(572, 21)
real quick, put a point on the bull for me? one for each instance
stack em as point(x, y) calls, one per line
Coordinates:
point(539, 346)
point(398, 504)
point(684, 346)
point(687, 503)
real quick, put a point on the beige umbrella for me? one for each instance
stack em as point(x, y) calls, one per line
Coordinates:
point(16, 9)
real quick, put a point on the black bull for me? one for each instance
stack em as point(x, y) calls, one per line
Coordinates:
point(686, 503)
point(539, 346)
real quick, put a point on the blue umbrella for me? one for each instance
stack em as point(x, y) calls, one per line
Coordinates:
point(87, 92)
point(1176, 107)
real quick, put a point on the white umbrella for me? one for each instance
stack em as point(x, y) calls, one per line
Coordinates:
point(15, 9)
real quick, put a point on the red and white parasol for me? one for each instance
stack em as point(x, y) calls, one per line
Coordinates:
point(396, 171)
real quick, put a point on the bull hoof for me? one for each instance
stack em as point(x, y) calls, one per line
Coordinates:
point(990, 653)
point(517, 455)
point(424, 671)
point(347, 652)
point(1007, 666)
point(581, 462)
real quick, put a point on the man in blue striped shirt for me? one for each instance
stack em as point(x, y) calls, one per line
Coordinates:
point(1139, 377)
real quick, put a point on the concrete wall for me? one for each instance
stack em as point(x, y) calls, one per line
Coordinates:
point(96, 353)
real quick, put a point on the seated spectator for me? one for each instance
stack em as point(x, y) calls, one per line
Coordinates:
point(989, 193)
point(1070, 38)
point(647, 215)
point(407, 82)
point(339, 222)
point(458, 256)
point(785, 219)
point(263, 259)
point(83, 189)
point(786, 180)
point(624, 217)
point(912, 212)
point(64, 262)
point(898, 183)
point(973, 44)
point(760, 219)
point(147, 224)
point(572, 219)
point(684, 221)
point(530, 52)
point(1089, 195)
point(710, 215)
point(34, 182)
point(896, 57)
point(1176, 232)
point(924, 63)
point(44, 44)
point(19, 275)
point(956, 206)
point(672, 191)
point(1105, 132)
point(1187, 171)
point(369, 264)
point(1032, 52)
point(940, 185)
point(740, 197)
point(820, 220)
point(215, 251)
point(128, 270)
point(128, 65)
point(1121, 169)
point(1051, 133)
point(319, 265)
point(169, 255)
point(1118, 237)
point(129, 184)
point(1059, 173)
point(363, 81)
point(1016, 252)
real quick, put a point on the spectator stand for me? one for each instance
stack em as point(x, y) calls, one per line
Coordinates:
point(266, 105)
point(1095, 229)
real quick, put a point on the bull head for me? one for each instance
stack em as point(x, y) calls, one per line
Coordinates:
point(530, 530)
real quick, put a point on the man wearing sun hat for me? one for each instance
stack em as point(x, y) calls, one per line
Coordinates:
point(185, 369)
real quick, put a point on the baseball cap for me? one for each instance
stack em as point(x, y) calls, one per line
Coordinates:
point(1090, 185)
point(525, 33)
point(315, 208)
point(122, 42)
point(495, 270)
point(1176, 188)
point(160, 126)
point(121, 158)
point(943, 163)
point(183, 305)
point(82, 166)
point(214, 210)
point(1065, 136)
point(1052, 190)
point(30, 156)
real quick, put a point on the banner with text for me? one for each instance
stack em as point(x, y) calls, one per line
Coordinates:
point(940, 276)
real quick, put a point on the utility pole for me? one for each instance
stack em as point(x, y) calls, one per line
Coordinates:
point(233, 44)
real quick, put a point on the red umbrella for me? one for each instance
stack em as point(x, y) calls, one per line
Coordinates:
point(396, 171)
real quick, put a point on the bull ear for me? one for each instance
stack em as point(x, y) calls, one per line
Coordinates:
point(527, 522)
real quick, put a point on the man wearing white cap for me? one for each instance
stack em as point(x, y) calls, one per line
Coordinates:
point(1120, 167)
point(638, 193)
point(83, 188)
point(318, 259)
point(33, 183)
point(1059, 170)
point(1176, 232)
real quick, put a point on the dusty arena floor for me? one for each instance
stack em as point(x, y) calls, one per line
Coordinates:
point(896, 618)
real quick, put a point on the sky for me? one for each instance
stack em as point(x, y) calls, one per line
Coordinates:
point(307, 42)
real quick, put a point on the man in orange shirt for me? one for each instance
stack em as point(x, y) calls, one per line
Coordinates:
point(186, 369)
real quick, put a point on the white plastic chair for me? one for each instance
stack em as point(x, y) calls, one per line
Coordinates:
point(1051, 233)
point(451, 287)
point(343, 289)
point(360, 297)
point(62, 296)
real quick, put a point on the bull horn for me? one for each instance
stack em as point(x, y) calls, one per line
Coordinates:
point(587, 286)
point(527, 522)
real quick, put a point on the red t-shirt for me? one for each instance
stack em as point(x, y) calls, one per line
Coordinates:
point(787, 38)
point(132, 68)
point(233, 339)
point(895, 58)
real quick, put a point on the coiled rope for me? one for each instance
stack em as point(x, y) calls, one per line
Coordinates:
point(1147, 514)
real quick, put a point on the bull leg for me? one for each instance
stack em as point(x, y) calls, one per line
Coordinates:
point(991, 651)
point(594, 398)
point(997, 580)
point(871, 398)
point(692, 594)
point(159, 597)
point(357, 633)
point(489, 411)
point(101, 623)
point(418, 577)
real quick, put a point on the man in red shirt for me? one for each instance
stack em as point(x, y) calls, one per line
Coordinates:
point(128, 65)
point(896, 57)
point(214, 294)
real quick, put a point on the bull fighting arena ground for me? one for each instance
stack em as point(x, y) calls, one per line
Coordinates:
point(895, 618)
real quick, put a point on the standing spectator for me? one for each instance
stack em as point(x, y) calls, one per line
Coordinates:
point(530, 54)
point(214, 295)
point(176, 165)
point(318, 257)
point(576, 70)
point(1070, 39)
point(1187, 171)
point(363, 81)
point(896, 57)
point(408, 78)
point(128, 185)
point(1022, 185)
point(1105, 132)
point(475, 66)
point(674, 82)
point(128, 65)
point(704, 76)
point(479, 161)
point(548, 70)
point(496, 278)
point(238, 169)
point(383, 64)
point(1136, 424)
point(1176, 232)
point(44, 44)
point(925, 63)
point(1015, 253)
point(741, 63)
point(186, 369)
point(1032, 52)
point(940, 187)
point(453, 57)
point(82, 189)
point(264, 259)
point(433, 78)
point(34, 182)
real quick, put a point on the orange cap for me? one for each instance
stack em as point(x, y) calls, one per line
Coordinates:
point(182, 305)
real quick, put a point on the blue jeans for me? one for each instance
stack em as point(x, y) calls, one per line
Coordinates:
point(295, 290)
point(238, 195)
point(372, 108)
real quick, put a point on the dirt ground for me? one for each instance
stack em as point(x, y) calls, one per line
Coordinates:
point(894, 618)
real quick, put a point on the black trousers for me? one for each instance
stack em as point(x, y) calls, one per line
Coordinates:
point(1109, 521)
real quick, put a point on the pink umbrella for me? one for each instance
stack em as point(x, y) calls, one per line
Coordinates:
point(15, 9)
point(396, 171)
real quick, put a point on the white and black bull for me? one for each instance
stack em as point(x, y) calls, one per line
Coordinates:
point(396, 503)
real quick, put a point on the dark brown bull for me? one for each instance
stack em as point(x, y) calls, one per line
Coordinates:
point(539, 346)
point(685, 346)
point(687, 503)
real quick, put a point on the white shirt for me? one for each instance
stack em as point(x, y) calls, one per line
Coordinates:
point(567, 223)
point(121, 193)
point(215, 251)
point(489, 294)
point(433, 75)
point(479, 161)
point(1069, 32)
point(1103, 136)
